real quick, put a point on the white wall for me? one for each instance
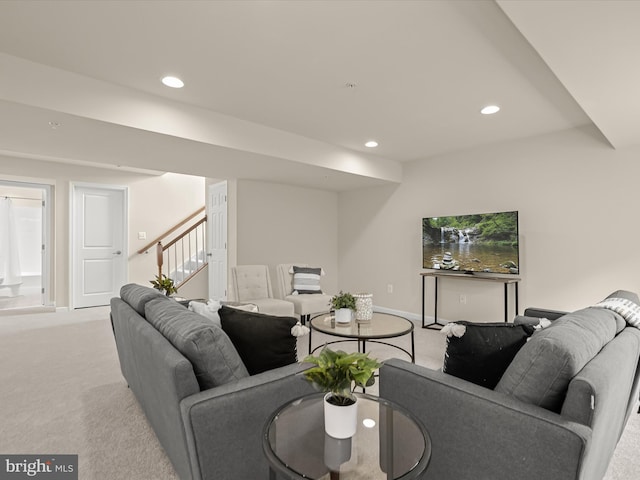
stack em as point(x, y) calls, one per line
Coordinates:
point(278, 223)
point(575, 194)
point(577, 202)
point(156, 203)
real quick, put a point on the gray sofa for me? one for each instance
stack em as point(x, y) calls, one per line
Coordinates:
point(516, 432)
point(205, 409)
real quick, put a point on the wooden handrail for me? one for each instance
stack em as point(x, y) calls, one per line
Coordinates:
point(170, 231)
point(184, 234)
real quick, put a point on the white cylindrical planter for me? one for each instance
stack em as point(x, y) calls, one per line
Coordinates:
point(340, 421)
point(364, 306)
point(343, 315)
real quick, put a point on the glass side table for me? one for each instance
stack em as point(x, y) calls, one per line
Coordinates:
point(389, 443)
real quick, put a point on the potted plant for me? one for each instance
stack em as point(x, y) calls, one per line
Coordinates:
point(343, 304)
point(338, 373)
point(164, 284)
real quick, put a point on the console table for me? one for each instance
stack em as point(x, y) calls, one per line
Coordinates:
point(485, 278)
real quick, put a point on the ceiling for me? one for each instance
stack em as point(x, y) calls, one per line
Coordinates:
point(290, 91)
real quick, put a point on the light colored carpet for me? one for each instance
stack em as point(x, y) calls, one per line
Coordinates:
point(62, 393)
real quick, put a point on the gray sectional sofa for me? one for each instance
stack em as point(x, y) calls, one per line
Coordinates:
point(206, 410)
point(556, 413)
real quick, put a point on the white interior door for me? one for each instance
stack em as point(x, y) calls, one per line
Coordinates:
point(217, 239)
point(99, 246)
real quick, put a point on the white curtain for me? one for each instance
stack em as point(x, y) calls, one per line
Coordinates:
point(10, 273)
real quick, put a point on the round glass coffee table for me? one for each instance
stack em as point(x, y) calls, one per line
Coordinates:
point(381, 326)
point(389, 443)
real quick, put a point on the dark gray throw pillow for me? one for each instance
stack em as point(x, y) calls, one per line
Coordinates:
point(215, 360)
point(541, 371)
point(485, 350)
point(137, 296)
point(264, 342)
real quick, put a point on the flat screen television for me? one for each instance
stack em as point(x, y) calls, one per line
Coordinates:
point(482, 243)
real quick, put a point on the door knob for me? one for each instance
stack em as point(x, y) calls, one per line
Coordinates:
point(119, 252)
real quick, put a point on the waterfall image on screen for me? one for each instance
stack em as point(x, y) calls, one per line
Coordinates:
point(483, 243)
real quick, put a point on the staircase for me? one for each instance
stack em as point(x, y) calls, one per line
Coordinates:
point(181, 250)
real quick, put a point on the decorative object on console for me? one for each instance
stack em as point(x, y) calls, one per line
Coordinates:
point(343, 304)
point(481, 352)
point(364, 306)
point(337, 373)
point(164, 284)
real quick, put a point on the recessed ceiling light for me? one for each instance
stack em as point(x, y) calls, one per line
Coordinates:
point(173, 82)
point(371, 144)
point(490, 110)
point(54, 125)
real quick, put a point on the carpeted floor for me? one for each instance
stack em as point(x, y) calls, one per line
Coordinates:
point(62, 393)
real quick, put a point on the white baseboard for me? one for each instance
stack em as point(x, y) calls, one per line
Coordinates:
point(27, 310)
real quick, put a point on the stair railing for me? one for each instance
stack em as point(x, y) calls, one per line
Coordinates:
point(185, 255)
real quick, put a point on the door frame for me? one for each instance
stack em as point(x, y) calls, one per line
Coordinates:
point(47, 230)
point(73, 186)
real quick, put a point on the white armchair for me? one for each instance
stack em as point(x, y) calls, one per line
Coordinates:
point(305, 304)
point(252, 284)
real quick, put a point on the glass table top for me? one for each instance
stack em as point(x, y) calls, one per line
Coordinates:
point(389, 443)
point(382, 325)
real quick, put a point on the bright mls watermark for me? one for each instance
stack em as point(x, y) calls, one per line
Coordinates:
point(49, 467)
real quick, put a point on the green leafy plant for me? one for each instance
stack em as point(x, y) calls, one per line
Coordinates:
point(343, 300)
point(164, 284)
point(339, 373)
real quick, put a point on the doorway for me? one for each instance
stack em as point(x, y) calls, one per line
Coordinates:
point(24, 244)
point(99, 249)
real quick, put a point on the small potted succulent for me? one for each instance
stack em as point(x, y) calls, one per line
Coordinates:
point(164, 284)
point(343, 304)
point(338, 373)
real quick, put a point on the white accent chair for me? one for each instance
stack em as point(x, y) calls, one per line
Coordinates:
point(305, 304)
point(252, 284)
